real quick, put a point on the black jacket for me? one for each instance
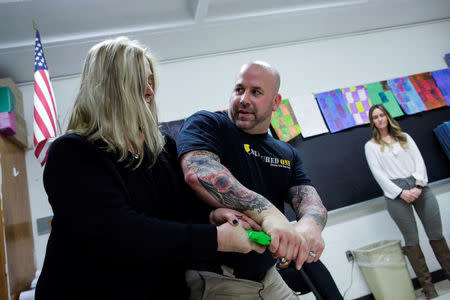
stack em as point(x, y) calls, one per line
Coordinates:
point(118, 233)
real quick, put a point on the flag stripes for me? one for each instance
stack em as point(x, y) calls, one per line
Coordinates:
point(45, 125)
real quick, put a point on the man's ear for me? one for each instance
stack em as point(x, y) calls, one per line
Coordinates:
point(276, 102)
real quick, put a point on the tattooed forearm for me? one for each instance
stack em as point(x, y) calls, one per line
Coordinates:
point(222, 185)
point(232, 199)
point(306, 203)
point(200, 160)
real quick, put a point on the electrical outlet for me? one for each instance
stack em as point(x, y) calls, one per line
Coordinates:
point(349, 255)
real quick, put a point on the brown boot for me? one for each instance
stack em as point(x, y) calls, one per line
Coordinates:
point(442, 254)
point(417, 260)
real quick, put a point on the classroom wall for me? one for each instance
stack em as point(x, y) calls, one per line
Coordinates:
point(314, 66)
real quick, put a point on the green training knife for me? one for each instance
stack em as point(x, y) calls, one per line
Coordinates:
point(259, 237)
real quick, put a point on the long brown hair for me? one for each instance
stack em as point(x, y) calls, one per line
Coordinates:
point(393, 128)
point(110, 103)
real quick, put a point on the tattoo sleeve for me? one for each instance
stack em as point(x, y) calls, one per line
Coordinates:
point(222, 185)
point(306, 203)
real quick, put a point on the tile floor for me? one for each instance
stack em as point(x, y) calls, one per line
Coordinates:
point(442, 288)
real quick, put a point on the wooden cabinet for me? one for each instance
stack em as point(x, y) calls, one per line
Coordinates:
point(16, 234)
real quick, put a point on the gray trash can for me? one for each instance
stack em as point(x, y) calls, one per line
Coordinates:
point(384, 268)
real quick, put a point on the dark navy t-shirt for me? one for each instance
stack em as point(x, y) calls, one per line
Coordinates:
point(260, 162)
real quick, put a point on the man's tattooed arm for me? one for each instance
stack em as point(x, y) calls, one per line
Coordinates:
point(203, 171)
point(306, 203)
point(215, 184)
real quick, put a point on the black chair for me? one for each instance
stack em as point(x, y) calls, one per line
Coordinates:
point(312, 277)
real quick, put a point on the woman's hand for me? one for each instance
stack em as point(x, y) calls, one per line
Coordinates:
point(420, 182)
point(408, 196)
point(416, 192)
point(234, 238)
point(222, 215)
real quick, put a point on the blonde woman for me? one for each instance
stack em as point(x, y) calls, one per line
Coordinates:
point(399, 169)
point(122, 227)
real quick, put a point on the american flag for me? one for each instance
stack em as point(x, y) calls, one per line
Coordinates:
point(45, 126)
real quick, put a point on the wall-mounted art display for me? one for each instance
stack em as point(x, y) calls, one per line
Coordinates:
point(349, 107)
point(442, 79)
point(380, 93)
point(358, 102)
point(308, 115)
point(284, 122)
point(447, 59)
point(427, 90)
point(442, 133)
point(171, 128)
point(406, 95)
point(335, 110)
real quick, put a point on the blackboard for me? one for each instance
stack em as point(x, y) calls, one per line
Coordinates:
point(337, 165)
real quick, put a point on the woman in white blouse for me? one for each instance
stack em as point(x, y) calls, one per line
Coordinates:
point(399, 169)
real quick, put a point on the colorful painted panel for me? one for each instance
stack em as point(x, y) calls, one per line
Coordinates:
point(284, 122)
point(379, 93)
point(308, 115)
point(358, 103)
point(171, 128)
point(427, 90)
point(443, 135)
point(442, 79)
point(447, 59)
point(406, 95)
point(335, 110)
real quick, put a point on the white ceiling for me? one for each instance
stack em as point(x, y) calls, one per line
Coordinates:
point(179, 29)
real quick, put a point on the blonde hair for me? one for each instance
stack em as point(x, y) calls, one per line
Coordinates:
point(110, 104)
point(393, 129)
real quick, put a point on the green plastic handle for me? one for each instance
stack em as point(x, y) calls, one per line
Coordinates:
point(259, 237)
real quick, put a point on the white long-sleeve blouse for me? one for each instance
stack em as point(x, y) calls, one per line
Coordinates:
point(395, 162)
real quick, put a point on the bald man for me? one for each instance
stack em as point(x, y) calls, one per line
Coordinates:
point(231, 161)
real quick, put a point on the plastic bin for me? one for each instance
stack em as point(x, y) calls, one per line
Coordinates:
point(384, 268)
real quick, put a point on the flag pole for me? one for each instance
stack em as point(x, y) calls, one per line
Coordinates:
point(34, 26)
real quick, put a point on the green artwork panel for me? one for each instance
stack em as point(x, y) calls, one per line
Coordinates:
point(288, 120)
point(284, 122)
point(380, 93)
